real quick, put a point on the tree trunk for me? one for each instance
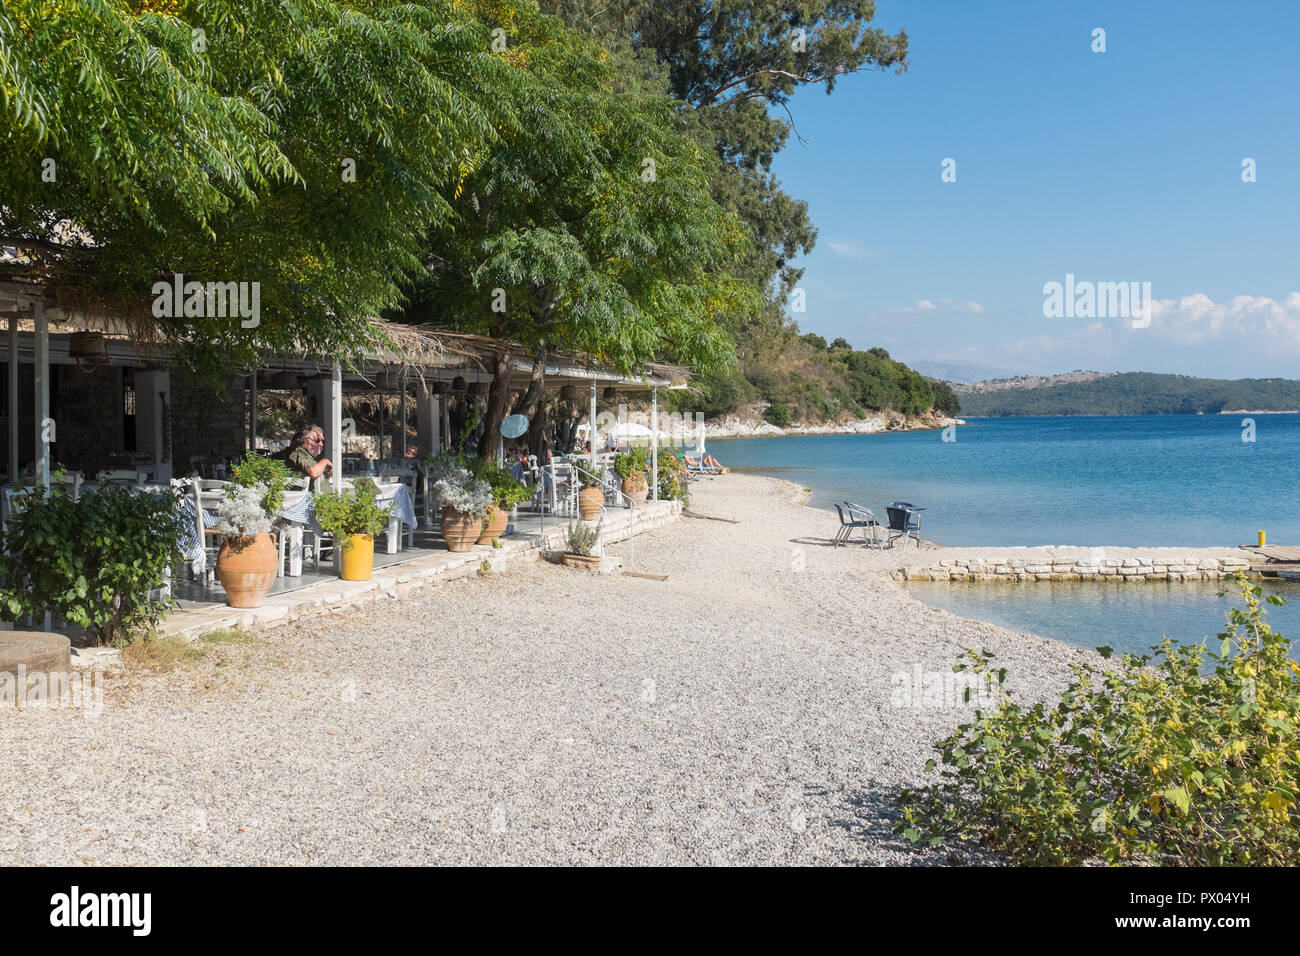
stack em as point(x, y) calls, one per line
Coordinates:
point(498, 398)
point(530, 406)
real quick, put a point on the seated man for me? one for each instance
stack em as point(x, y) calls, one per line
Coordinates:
point(304, 448)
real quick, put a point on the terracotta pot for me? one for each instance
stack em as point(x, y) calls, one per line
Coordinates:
point(460, 530)
point(590, 501)
point(246, 568)
point(588, 562)
point(358, 558)
point(497, 519)
point(635, 487)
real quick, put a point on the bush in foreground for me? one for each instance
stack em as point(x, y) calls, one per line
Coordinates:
point(1185, 757)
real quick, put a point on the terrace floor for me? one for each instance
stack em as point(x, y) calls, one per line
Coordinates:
point(203, 608)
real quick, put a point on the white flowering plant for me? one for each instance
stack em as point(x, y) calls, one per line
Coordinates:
point(454, 485)
point(241, 512)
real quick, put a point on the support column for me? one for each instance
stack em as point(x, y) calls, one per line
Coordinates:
point(654, 441)
point(401, 452)
point(428, 425)
point(44, 424)
point(325, 408)
point(13, 397)
point(153, 420)
point(334, 428)
point(252, 411)
point(591, 429)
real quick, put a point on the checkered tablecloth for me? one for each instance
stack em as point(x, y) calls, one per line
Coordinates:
point(402, 504)
point(191, 543)
point(399, 501)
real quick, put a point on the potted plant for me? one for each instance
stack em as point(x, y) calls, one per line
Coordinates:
point(247, 561)
point(578, 542)
point(592, 496)
point(354, 519)
point(507, 491)
point(631, 467)
point(463, 498)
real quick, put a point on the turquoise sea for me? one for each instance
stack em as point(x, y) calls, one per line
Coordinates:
point(1151, 480)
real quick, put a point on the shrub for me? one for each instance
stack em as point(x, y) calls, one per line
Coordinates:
point(241, 512)
point(255, 469)
point(635, 461)
point(91, 562)
point(672, 478)
point(580, 538)
point(1189, 757)
point(453, 485)
point(345, 513)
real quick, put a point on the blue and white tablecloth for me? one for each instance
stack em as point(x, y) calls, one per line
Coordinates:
point(302, 512)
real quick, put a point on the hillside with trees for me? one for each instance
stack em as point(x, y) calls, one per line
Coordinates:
point(1135, 393)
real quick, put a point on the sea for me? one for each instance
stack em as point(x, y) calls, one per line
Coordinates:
point(1094, 481)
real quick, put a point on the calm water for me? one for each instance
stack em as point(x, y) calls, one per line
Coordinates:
point(1160, 480)
point(1177, 480)
point(1128, 617)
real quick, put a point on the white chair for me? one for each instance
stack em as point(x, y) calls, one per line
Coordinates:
point(128, 477)
point(72, 482)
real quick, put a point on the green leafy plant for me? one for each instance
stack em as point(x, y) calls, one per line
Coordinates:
point(92, 561)
point(507, 491)
point(672, 478)
point(1190, 756)
point(635, 461)
point(346, 513)
point(586, 478)
point(580, 538)
point(272, 474)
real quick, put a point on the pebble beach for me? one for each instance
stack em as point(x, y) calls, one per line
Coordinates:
point(746, 710)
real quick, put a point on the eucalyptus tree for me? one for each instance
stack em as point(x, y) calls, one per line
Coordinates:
point(306, 147)
point(737, 63)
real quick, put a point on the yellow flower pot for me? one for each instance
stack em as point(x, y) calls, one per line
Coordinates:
point(358, 557)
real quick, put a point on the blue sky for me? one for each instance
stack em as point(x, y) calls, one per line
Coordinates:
point(1117, 166)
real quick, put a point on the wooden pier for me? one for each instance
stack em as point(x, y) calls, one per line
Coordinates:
point(1278, 559)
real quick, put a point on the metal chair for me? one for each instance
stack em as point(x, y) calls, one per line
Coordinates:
point(845, 529)
point(863, 518)
point(903, 523)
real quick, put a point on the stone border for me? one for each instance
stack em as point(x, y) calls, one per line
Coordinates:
point(400, 580)
point(1049, 568)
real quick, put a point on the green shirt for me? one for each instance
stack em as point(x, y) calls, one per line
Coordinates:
point(301, 460)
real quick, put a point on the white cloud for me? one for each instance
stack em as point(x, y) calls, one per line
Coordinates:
point(943, 305)
point(852, 249)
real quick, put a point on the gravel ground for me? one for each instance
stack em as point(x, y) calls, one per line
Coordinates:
point(744, 711)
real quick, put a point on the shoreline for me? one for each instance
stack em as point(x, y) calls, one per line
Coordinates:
point(732, 427)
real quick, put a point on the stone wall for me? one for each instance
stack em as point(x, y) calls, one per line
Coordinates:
point(206, 422)
point(1119, 570)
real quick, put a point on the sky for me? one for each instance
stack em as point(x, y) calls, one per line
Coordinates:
point(1115, 166)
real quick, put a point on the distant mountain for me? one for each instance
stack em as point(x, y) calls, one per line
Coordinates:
point(1027, 381)
point(960, 371)
point(1125, 393)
